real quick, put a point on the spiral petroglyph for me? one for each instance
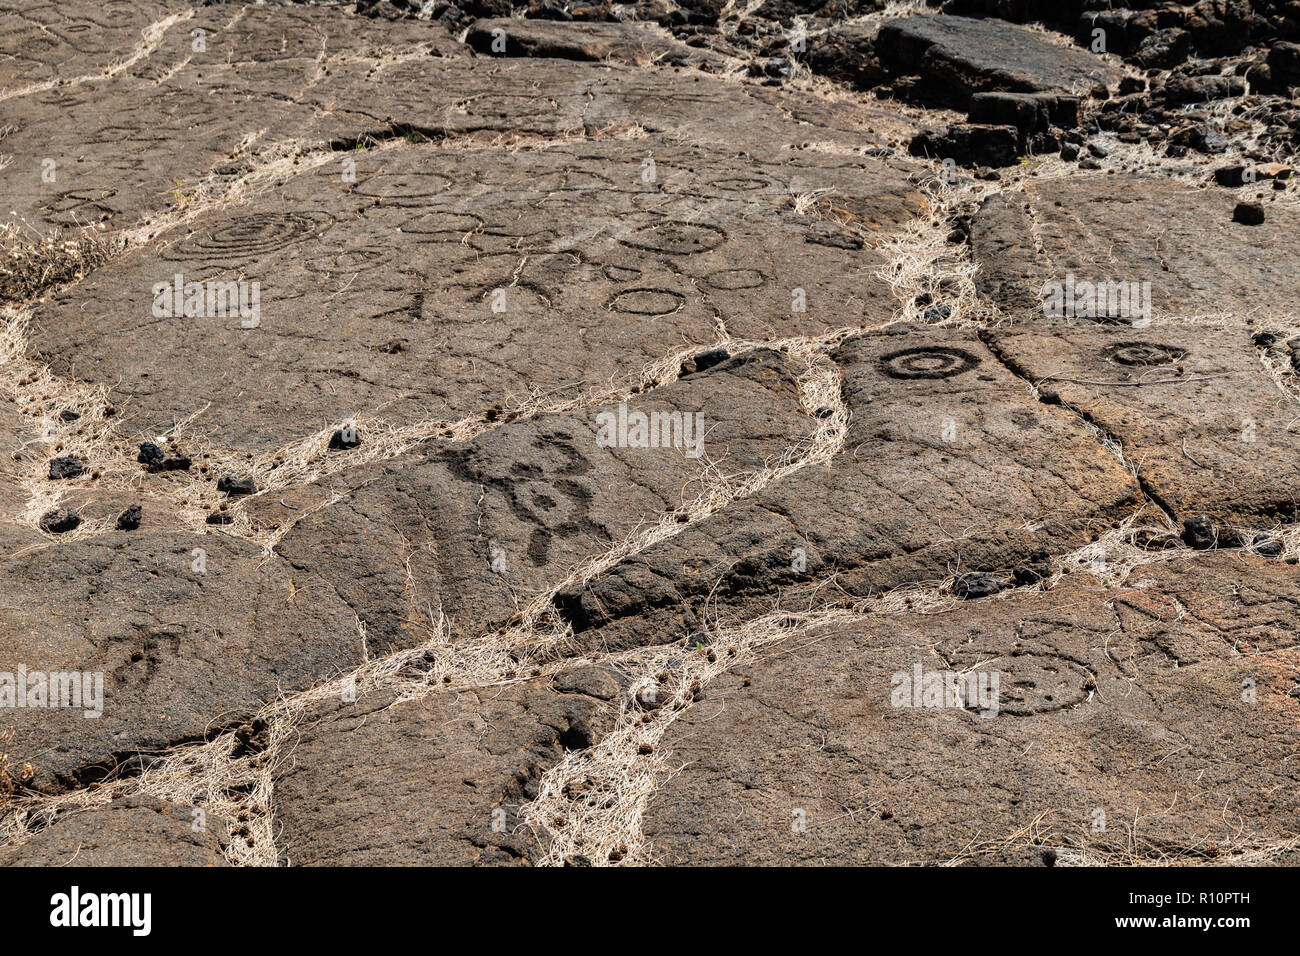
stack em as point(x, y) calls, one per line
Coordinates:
point(247, 237)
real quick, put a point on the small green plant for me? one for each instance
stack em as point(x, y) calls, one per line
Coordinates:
point(181, 196)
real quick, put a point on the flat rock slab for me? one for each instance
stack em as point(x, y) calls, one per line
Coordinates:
point(436, 781)
point(111, 167)
point(45, 42)
point(948, 465)
point(252, 43)
point(1247, 604)
point(1133, 229)
point(181, 653)
point(122, 145)
point(1102, 744)
point(639, 43)
point(270, 79)
point(969, 56)
point(1208, 428)
point(475, 532)
point(444, 282)
point(128, 831)
point(450, 240)
point(516, 95)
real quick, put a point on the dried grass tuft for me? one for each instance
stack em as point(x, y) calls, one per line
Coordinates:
point(590, 805)
point(32, 262)
point(933, 278)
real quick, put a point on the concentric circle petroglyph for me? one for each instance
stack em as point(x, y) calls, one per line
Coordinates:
point(931, 361)
point(249, 235)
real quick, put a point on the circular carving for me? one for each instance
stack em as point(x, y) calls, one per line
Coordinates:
point(647, 302)
point(928, 361)
point(507, 106)
point(676, 238)
point(570, 180)
point(82, 203)
point(349, 261)
point(733, 280)
point(496, 243)
point(1039, 684)
point(116, 134)
point(1144, 354)
point(440, 223)
point(248, 236)
point(403, 189)
point(621, 273)
point(64, 98)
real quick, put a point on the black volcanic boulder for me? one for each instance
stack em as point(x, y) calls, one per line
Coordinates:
point(969, 144)
point(958, 57)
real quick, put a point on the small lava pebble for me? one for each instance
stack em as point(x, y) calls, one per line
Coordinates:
point(60, 520)
point(345, 438)
point(978, 584)
point(149, 453)
point(155, 459)
point(1199, 533)
point(1267, 546)
point(129, 519)
point(236, 486)
point(705, 361)
point(1248, 213)
point(65, 467)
